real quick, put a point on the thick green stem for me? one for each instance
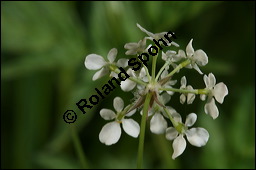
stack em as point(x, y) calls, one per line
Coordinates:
point(180, 66)
point(142, 130)
point(78, 147)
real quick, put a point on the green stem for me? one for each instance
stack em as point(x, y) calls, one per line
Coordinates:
point(142, 131)
point(124, 112)
point(138, 81)
point(154, 67)
point(146, 69)
point(174, 123)
point(180, 66)
point(161, 70)
point(196, 91)
point(78, 147)
point(117, 71)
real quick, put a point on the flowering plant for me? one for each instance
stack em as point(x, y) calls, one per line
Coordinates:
point(153, 91)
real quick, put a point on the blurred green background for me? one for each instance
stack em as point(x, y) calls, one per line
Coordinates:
point(43, 47)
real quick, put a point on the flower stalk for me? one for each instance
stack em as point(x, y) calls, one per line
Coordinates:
point(142, 131)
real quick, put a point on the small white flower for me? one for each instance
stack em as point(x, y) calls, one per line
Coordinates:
point(128, 84)
point(170, 56)
point(158, 124)
point(111, 132)
point(135, 48)
point(156, 36)
point(190, 96)
point(196, 136)
point(197, 57)
point(96, 62)
point(218, 91)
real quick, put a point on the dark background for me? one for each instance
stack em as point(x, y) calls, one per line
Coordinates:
point(43, 47)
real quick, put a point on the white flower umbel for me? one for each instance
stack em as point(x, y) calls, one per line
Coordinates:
point(218, 91)
point(196, 136)
point(96, 62)
point(111, 132)
point(152, 87)
point(190, 96)
point(196, 58)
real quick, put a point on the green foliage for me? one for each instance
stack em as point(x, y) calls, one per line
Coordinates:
point(44, 45)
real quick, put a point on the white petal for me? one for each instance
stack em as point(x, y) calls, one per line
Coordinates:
point(102, 72)
point(200, 57)
point(144, 30)
point(183, 81)
point(171, 133)
point(131, 45)
point(131, 127)
point(94, 62)
point(169, 92)
point(211, 109)
point(113, 74)
point(131, 52)
point(110, 133)
point(131, 113)
point(175, 44)
point(206, 81)
point(190, 96)
point(172, 82)
point(176, 116)
point(122, 62)
point(197, 136)
point(118, 104)
point(131, 72)
point(179, 145)
point(202, 97)
point(191, 119)
point(189, 66)
point(165, 98)
point(158, 124)
point(112, 55)
point(142, 73)
point(220, 91)
point(171, 53)
point(127, 85)
point(181, 54)
point(157, 36)
point(164, 56)
point(107, 114)
point(212, 80)
point(190, 49)
point(182, 98)
point(150, 112)
point(164, 73)
point(195, 66)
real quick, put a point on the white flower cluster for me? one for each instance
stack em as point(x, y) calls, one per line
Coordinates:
point(159, 88)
